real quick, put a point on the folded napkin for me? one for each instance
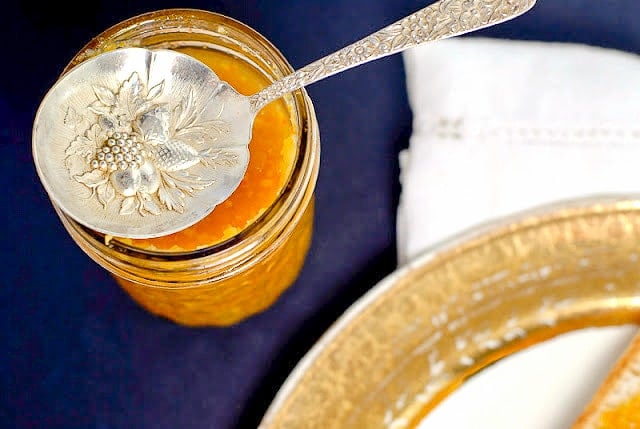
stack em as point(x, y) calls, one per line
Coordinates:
point(501, 126)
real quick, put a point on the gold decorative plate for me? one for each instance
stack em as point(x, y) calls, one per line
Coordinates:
point(463, 305)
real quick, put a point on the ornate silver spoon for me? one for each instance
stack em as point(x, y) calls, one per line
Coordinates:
point(141, 143)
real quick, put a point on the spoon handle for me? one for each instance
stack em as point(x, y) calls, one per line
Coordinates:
point(440, 20)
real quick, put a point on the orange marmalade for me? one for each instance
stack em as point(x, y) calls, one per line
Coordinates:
point(624, 415)
point(238, 260)
point(272, 154)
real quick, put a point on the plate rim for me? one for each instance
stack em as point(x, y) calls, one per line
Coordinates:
point(564, 208)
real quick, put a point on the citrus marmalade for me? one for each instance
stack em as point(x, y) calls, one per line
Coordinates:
point(272, 154)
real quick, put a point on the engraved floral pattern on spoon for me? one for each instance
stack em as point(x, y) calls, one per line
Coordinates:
point(440, 20)
point(136, 152)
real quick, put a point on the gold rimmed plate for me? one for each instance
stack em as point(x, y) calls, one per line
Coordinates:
point(426, 329)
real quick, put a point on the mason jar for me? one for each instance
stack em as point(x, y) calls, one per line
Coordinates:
point(237, 261)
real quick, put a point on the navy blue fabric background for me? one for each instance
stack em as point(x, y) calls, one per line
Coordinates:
point(76, 352)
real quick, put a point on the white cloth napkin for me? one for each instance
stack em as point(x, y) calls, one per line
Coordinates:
point(501, 126)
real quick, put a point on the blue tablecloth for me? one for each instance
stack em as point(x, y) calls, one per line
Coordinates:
point(77, 352)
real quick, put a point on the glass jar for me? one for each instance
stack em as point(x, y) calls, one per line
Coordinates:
point(224, 283)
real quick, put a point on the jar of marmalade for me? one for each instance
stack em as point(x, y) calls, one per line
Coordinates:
point(241, 257)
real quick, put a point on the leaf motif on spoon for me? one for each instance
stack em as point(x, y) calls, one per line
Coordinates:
point(136, 151)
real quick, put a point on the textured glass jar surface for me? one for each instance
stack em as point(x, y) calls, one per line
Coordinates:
point(238, 260)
